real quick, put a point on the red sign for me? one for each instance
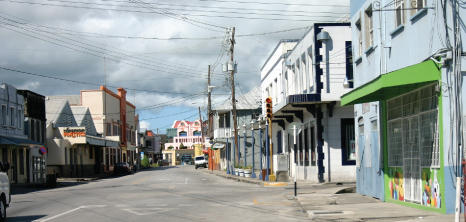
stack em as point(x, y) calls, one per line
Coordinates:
point(42, 151)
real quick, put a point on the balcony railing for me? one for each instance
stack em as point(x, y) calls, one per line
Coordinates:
point(222, 133)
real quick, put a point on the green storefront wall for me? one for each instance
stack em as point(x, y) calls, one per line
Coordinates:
point(388, 86)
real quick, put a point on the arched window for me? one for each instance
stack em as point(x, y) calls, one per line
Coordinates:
point(197, 133)
point(182, 124)
point(183, 134)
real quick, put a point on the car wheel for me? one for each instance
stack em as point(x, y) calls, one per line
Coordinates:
point(196, 167)
point(2, 211)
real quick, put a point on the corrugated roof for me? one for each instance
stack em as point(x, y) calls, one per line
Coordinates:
point(73, 100)
point(59, 112)
point(251, 100)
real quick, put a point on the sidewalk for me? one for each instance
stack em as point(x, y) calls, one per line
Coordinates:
point(333, 202)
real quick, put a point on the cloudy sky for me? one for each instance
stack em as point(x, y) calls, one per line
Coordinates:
point(159, 51)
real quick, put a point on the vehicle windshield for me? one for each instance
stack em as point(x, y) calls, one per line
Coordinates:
point(199, 158)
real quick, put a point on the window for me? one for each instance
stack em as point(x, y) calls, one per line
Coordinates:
point(399, 13)
point(358, 28)
point(183, 134)
point(4, 115)
point(66, 156)
point(369, 30)
point(418, 5)
point(413, 128)
point(197, 133)
point(12, 116)
point(21, 161)
point(128, 135)
point(115, 129)
point(348, 145)
point(20, 119)
point(109, 129)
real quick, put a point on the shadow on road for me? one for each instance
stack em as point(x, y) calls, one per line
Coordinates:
point(25, 218)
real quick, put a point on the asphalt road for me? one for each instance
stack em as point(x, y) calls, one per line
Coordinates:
point(178, 193)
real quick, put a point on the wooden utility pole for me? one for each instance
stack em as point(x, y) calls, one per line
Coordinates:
point(209, 108)
point(233, 100)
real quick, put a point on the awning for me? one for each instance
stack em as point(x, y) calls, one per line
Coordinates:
point(394, 83)
point(99, 141)
point(218, 146)
point(16, 141)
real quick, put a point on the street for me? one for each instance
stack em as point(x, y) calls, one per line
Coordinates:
point(171, 193)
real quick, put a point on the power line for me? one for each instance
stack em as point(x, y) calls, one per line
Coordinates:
point(80, 82)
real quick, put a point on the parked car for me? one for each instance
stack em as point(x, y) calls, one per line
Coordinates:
point(4, 190)
point(200, 161)
point(122, 168)
point(135, 168)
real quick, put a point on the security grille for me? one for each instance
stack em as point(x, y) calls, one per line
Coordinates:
point(413, 137)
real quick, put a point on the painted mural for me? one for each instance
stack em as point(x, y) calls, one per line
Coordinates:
point(396, 184)
point(430, 188)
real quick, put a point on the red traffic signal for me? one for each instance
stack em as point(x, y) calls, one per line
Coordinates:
point(268, 107)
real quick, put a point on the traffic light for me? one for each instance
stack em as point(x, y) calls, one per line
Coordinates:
point(268, 107)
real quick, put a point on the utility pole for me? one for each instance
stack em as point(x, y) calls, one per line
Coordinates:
point(202, 133)
point(209, 108)
point(233, 100)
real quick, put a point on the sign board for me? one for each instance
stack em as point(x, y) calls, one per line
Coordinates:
point(290, 128)
point(171, 132)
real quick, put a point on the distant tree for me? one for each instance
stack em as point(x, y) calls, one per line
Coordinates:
point(182, 147)
point(170, 147)
point(145, 161)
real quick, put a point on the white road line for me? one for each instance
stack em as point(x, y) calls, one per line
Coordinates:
point(186, 182)
point(59, 215)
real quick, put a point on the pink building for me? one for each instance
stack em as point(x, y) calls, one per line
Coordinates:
point(188, 134)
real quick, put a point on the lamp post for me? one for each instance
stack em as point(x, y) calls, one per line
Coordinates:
point(226, 151)
point(260, 148)
point(234, 150)
point(267, 145)
point(244, 150)
point(253, 175)
point(238, 130)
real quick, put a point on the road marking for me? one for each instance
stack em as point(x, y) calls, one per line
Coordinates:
point(141, 180)
point(67, 212)
point(271, 203)
point(146, 211)
point(274, 184)
point(186, 182)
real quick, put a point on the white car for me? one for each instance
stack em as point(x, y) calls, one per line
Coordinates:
point(5, 196)
point(200, 161)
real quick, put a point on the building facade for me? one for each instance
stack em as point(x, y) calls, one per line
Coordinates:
point(408, 78)
point(73, 140)
point(22, 134)
point(188, 136)
point(305, 79)
point(248, 109)
point(113, 115)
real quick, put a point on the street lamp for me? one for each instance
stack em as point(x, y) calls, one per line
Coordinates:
point(244, 150)
point(260, 148)
point(267, 145)
point(226, 151)
point(238, 130)
point(234, 150)
point(253, 175)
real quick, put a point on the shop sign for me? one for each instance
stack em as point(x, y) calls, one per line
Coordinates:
point(74, 132)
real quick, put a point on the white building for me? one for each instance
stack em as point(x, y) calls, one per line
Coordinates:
point(305, 81)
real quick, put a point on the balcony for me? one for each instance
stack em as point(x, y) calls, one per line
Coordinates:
point(222, 133)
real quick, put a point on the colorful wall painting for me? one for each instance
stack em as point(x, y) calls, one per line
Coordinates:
point(430, 188)
point(396, 184)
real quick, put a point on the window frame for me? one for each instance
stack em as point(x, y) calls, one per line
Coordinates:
point(399, 11)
